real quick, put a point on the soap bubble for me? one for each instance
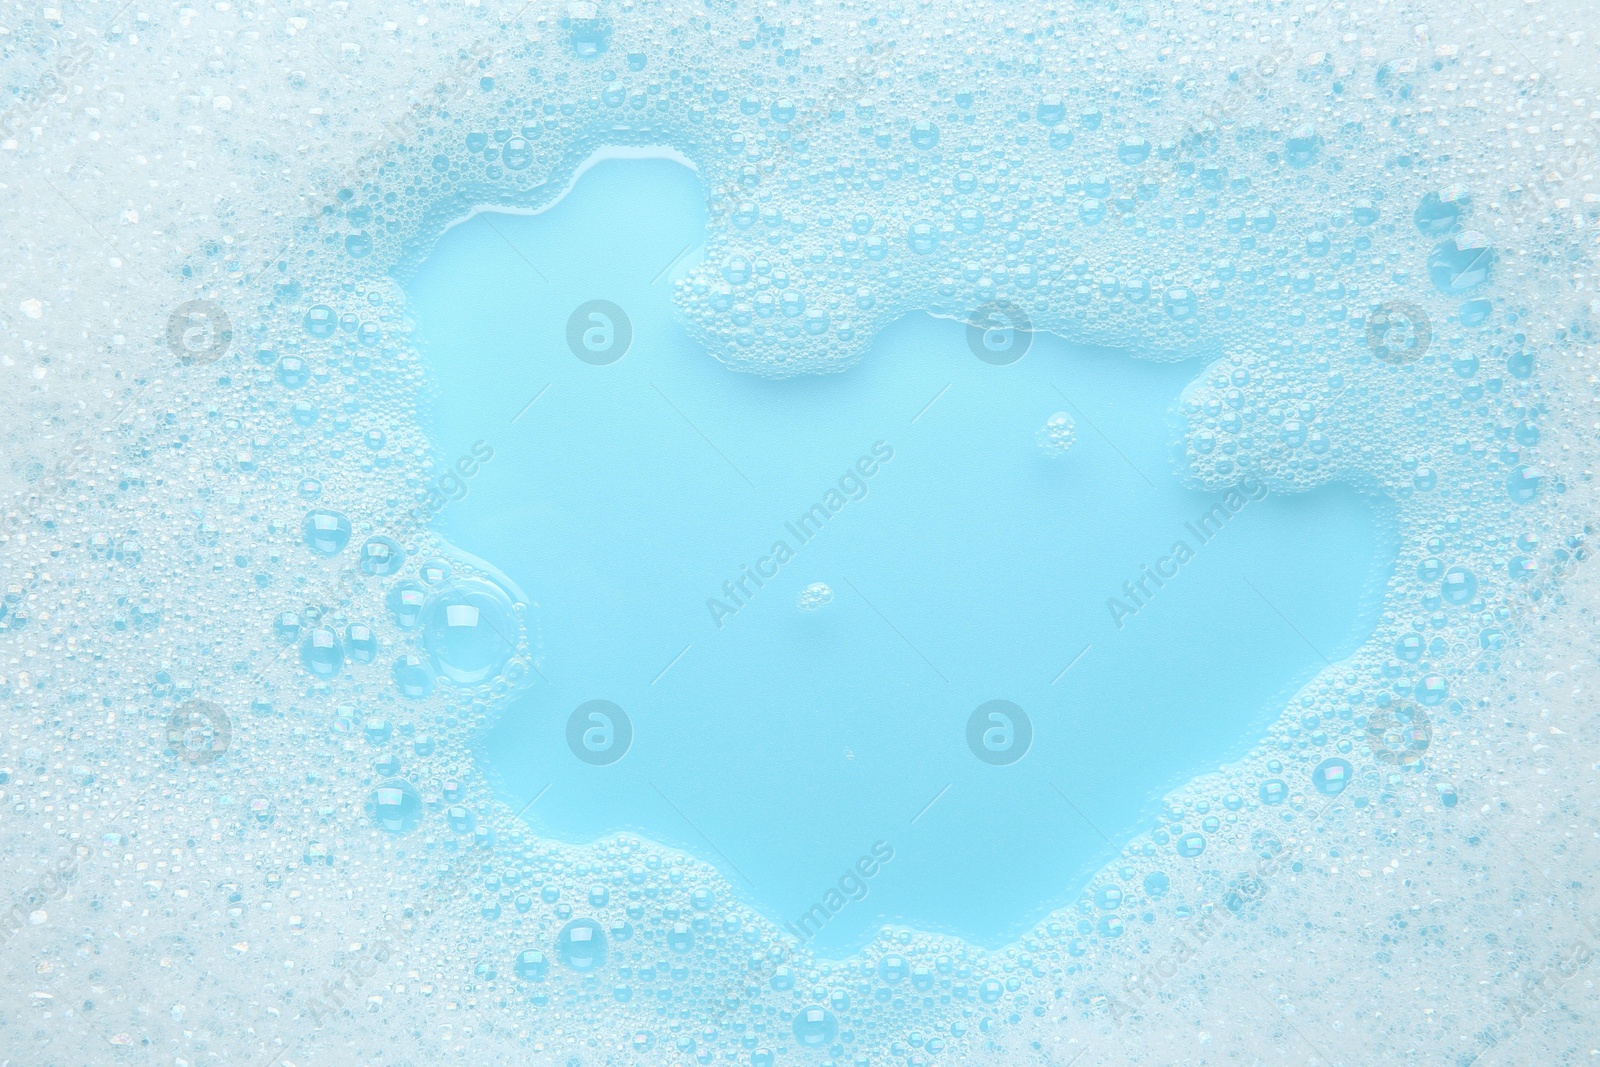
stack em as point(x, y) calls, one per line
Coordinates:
point(470, 629)
point(815, 1025)
point(1332, 776)
point(322, 653)
point(326, 532)
point(581, 945)
point(381, 556)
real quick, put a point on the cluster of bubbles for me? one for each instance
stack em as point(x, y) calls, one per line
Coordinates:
point(459, 627)
point(1266, 207)
point(816, 595)
point(1057, 435)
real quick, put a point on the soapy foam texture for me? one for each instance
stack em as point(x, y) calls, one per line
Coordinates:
point(1376, 221)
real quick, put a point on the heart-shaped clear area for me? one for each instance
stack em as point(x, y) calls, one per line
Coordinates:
point(920, 643)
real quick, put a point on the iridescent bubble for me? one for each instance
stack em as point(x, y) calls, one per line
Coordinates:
point(1409, 647)
point(1331, 776)
point(1180, 303)
point(1523, 483)
point(325, 532)
point(320, 321)
point(322, 653)
point(360, 643)
point(381, 556)
point(1431, 690)
point(517, 154)
point(395, 806)
point(1400, 735)
point(461, 819)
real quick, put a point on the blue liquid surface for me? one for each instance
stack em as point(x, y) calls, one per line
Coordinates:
point(784, 744)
